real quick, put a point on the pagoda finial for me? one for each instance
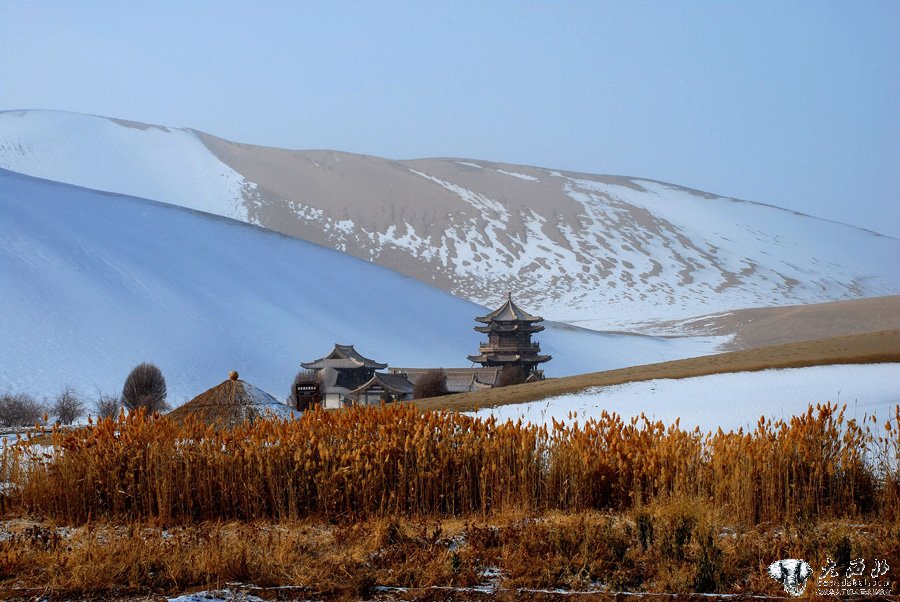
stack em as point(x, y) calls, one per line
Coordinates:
point(509, 295)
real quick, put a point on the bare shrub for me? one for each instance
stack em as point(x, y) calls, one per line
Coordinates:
point(432, 383)
point(512, 375)
point(304, 376)
point(68, 406)
point(145, 387)
point(20, 409)
point(106, 406)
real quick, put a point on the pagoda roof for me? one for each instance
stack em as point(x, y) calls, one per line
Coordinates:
point(509, 312)
point(509, 327)
point(505, 358)
point(392, 383)
point(343, 357)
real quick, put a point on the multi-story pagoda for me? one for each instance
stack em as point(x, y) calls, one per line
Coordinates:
point(509, 329)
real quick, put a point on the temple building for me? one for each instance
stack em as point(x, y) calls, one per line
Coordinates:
point(342, 371)
point(383, 387)
point(345, 377)
point(509, 329)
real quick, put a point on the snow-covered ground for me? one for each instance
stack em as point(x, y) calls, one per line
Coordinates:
point(92, 284)
point(222, 595)
point(729, 401)
point(263, 404)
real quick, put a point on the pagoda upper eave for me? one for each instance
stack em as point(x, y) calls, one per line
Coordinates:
point(496, 358)
point(508, 318)
point(511, 327)
point(509, 312)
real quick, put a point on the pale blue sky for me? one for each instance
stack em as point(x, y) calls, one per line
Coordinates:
point(796, 104)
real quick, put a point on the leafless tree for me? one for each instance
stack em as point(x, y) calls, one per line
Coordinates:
point(106, 406)
point(20, 409)
point(304, 376)
point(68, 406)
point(433, 383)
point(512, 375)
point(145, 387)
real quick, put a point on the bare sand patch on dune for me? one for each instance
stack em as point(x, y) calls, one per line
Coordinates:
point(766, 326)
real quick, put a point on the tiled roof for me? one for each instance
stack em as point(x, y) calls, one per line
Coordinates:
point(509, 357)
point(392, 383)
point(509, 312)
point(459, 380)
point(343, 357)
point(509, 327)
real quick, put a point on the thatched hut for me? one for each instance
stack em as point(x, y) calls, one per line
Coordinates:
point(232, 403)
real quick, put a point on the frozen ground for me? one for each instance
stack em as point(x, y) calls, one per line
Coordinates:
point(729, 401)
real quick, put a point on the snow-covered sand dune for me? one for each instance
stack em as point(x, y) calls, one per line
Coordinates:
point(93, 283)
point(730, 401)
point(164, 164)
point(603, 252)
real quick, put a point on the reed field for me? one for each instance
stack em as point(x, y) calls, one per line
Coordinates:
point(339, 501)
point(396, 460)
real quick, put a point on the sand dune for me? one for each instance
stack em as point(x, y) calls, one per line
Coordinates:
point(764, 326)
point(598, 251)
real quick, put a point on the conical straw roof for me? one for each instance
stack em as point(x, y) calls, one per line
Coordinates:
point(231, 403)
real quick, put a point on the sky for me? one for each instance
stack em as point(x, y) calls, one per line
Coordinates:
point(795, 104)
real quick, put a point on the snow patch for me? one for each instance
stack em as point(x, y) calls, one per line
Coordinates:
point(730, 401)
point(266, 405)
point(478, 201)
point(219, 595)
point(516, 174)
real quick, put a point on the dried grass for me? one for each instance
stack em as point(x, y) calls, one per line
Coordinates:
point(316, 560)
point(395, 461)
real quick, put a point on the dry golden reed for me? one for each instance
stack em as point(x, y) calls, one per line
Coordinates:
point(397, 460)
